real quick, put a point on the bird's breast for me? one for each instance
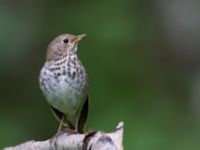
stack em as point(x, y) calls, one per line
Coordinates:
point(64, 85)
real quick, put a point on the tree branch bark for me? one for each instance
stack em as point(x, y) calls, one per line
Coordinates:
point(66, 140)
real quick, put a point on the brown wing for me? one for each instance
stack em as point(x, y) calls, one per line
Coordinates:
point(83, 116)
point(58, 115)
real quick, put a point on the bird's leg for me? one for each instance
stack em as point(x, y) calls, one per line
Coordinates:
point(61, 123)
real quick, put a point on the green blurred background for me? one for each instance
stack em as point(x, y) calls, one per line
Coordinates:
point(142, 57)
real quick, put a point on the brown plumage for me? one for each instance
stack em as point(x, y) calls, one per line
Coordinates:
point(63, 81)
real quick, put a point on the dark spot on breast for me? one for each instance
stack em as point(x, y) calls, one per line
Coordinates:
point(73, 75)
point(81, 76)
point(55, 76)
point(69, 74)
point(78, 81)
point(81, 71)
point(55, 68)
point(61, 62)
point(60, 54)
point(77, 70)
point(58, 74)
point(68, 64)
point(64, 72)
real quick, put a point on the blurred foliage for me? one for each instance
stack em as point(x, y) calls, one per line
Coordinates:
point(134, 75)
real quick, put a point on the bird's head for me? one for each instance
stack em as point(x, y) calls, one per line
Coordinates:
point(62, 45)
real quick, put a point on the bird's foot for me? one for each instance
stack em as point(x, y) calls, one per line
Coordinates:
point(88, 135)
point(90, 132)
point(67, 131)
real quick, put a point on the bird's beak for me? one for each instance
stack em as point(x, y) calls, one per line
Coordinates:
point(79, 37)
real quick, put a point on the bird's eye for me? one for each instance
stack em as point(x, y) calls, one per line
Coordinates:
point(65, 40)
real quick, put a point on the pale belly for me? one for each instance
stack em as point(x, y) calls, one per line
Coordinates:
point(64, 93)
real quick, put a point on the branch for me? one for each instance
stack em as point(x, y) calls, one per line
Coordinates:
point(66, 140)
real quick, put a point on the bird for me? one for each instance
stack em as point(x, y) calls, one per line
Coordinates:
point(63, 81)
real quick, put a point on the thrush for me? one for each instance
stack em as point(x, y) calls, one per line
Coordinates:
point(63, 81)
